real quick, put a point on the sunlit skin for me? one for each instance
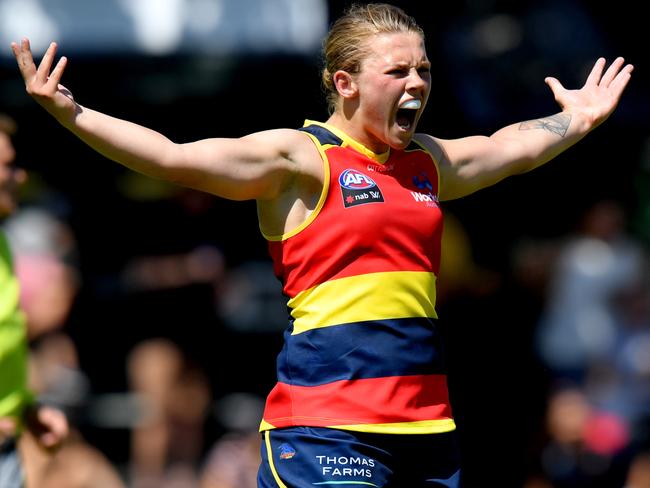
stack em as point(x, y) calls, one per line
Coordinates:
point(379, 107)
point(396, 70)
point(282, 169)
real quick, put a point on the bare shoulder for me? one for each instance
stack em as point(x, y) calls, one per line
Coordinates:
point(298, 148)
point(301, 189)
point(290, 144)
point(434, 145)
point(453, 152)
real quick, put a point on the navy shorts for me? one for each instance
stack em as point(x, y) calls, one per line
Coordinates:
point(302, 457)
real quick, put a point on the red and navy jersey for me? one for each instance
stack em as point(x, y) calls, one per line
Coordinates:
point(362, 352)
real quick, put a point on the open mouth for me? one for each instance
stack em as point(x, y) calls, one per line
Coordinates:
point(407, 112)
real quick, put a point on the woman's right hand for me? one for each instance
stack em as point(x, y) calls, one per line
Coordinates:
point(43, 83)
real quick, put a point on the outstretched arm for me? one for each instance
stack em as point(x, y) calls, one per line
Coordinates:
point(472, 163)
point(257, 166)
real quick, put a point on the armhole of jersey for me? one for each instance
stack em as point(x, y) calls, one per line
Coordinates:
point(435, 163)
point(321, 200)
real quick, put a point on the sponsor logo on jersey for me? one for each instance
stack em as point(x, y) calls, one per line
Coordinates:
point(380, 168)
point(346, 469)
point(422, 182)
point(358, 188)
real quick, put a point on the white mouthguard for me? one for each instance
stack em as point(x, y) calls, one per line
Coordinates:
point(413, 104)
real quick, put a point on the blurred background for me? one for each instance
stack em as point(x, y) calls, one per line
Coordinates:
point(154, 315)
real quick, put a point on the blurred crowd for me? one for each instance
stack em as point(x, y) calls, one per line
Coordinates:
point(188, 415)
point(168, 400)
point(154, 319)
point(583, 298)
point(157, 337)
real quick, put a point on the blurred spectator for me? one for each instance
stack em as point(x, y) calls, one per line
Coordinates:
point(49, 454)
point(234, 459)
point(23, 421)
point(594, 267)
point(593, 333)
point(56, 375)
point(46, 268)
point(249, 299)
point(45, 257)
point(167, 444)
point(583, 447)
point(621, 381)
point(77, 465)
point(45, 250)
point(201, 265)
point(639, 473)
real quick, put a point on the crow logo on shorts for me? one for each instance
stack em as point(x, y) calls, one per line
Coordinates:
point(286, 451)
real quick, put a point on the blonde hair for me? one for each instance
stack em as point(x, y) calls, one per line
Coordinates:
point(345, 46)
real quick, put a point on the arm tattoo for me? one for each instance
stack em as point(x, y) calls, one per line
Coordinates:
point(558, 124)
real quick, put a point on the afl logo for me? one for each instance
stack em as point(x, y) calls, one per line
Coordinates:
point(355, 180)
point(358, 189)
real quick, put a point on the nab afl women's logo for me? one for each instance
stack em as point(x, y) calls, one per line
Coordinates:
point(355, 180)
point(357, 188)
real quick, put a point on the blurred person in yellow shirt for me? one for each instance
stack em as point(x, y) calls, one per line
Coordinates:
point(38, 448)
point(19, 410)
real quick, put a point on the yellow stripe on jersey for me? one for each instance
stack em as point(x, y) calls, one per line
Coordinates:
point(417, 427)
point(374, 296)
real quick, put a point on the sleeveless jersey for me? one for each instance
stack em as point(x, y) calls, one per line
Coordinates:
point(362, 352)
